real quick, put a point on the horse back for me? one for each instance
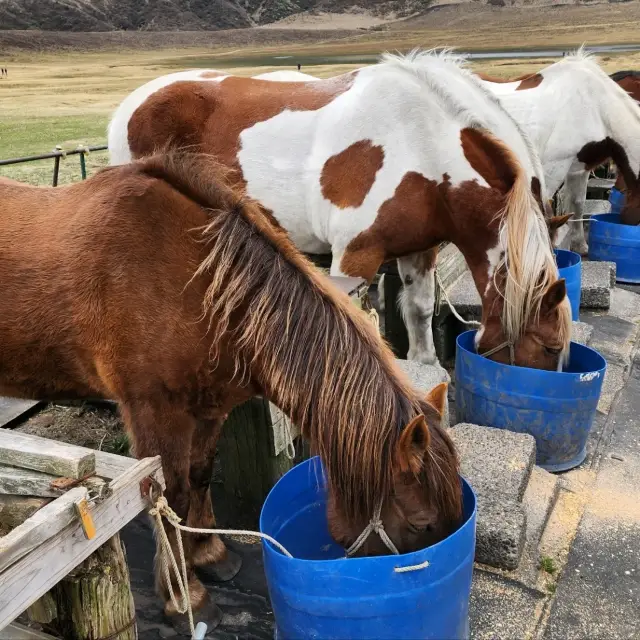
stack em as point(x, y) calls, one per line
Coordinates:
point(95, 275)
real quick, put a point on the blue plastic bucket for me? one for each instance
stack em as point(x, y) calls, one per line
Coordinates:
point(570, 268)
point(556, 408)
point(321, 594)
point(616, 198)
point(620, 243)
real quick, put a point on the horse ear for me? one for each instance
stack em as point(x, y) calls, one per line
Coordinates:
point(413, 444)
point(553, 296)
point(437, 397)
point(490, 158)
point(553, 226)
point(557, 221)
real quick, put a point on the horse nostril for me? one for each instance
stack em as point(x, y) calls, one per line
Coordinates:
point(408, 280)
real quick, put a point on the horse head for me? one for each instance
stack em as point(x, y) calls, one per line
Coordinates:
point(424, 502)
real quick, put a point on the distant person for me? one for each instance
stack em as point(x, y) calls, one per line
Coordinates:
point(299, 66)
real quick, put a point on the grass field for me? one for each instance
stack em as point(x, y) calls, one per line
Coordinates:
point(66, 97)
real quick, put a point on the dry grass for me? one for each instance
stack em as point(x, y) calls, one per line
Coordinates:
point(55, 97)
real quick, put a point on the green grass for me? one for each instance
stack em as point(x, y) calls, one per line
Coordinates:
point(120, 445)
point(548, 565)
point(32, 136)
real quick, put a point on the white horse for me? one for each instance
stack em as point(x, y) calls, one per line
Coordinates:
point(577, 117)
point(378, 164)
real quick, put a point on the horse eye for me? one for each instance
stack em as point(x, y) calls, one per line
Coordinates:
point(408, 280)
point(553, 351)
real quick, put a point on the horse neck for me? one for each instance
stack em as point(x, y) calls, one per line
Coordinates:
point(318, 358)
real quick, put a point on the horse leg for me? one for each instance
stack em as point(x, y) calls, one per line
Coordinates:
point(210, 555)
point(417, 272)
point(572, 198)
point(381, 302)
point(166, 430)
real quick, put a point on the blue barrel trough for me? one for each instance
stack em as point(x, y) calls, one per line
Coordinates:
point(614, 242)
point(556, 408)
point(321, 594)
point(570, 268)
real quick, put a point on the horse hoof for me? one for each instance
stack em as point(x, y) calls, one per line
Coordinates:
point(222, 571)
point(210, 613)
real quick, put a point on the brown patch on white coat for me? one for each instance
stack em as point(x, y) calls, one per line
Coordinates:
point(527, 81)
point(344, 187)
point(469, 215)
point(209, 117)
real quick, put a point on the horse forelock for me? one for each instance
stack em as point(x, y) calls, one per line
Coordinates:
point(317, 356)
point(528, 262)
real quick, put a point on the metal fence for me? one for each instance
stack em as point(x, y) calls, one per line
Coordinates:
point(57, 154)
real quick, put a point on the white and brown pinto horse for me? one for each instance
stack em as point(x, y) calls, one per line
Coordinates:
point(577, 117)
point(379, 164)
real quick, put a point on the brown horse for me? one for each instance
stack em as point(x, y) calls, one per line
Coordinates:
point(630, 82)
point(156, 285)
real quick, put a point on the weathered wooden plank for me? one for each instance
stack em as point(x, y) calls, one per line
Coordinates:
point(451, 264)
point(42, 525)
point(12, 408)
point(49, 456)
point(108, 465)
point(597, 184)
point(350, 286)
point(111, 465)
point(32, 576)
point(25, 482)
point(17, 631)
point(14, 510)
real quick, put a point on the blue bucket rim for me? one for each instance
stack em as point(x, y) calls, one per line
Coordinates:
point(606, 219)
point(412, 557)
point(573, 345)
point(575, 258)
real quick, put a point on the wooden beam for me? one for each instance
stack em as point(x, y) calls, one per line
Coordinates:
point(25, 482)
point(17, 631)
point(107, 465)
point(14, 510)
point(42, 525)
point(32, 576)
point(12, 408)
point(111, 465)
point(56, 458)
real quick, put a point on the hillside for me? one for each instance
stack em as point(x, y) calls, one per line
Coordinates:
point(164, 15)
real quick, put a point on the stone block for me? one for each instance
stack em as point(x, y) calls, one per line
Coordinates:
point(498, 464)
point(581, 332)
point(539, 500)
point(495, 460)
point(465, 297)
point(500, 531)
point(597, 280)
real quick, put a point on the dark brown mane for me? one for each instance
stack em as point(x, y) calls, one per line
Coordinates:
point(353, 415)
point(621, 75)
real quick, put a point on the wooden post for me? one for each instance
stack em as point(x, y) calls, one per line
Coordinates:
point(249, 464)
point(94, 601)
point(395, 330)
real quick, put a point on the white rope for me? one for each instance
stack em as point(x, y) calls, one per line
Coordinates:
point(375, 525)
point(472, 323)
point(413, 567)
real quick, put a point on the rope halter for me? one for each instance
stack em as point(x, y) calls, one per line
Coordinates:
point(502, 345)
point(375, 526)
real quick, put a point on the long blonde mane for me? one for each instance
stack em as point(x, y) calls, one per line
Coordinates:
point(529, 263)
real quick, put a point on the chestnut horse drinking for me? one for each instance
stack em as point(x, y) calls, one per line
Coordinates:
point(379, 164)
point(156, 285)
